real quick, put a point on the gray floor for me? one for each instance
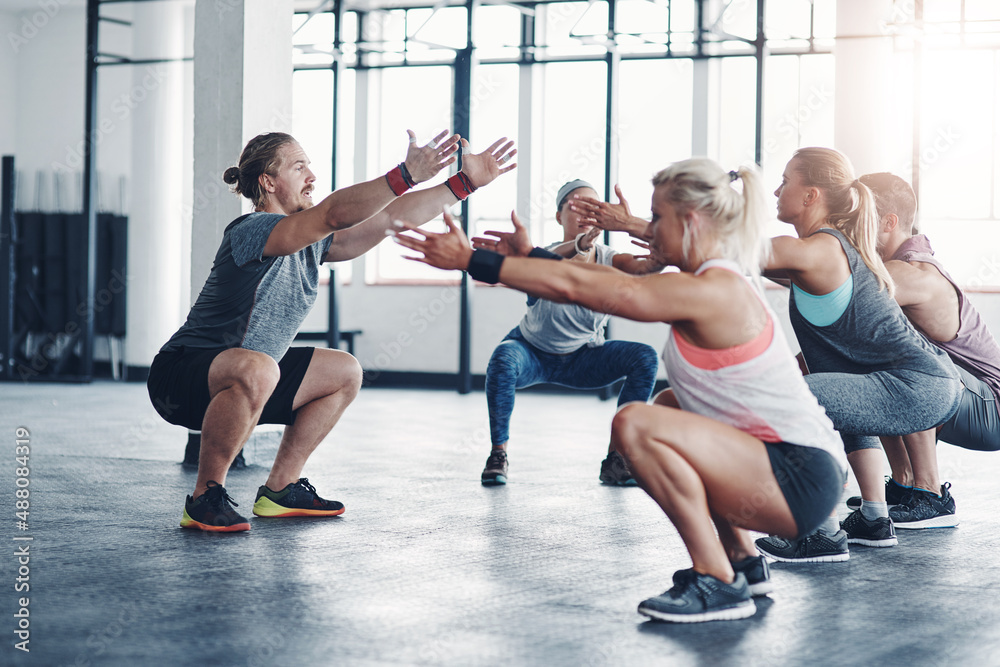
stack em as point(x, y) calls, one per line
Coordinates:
point(427, 566)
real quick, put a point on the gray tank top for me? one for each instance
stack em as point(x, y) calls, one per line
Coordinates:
point(872, 334)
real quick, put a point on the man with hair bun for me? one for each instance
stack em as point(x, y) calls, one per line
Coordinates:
point(938, 308)
point(231, 365)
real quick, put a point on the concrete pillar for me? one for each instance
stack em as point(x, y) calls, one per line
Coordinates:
point(156, 98)
point(242, 87)
point(863, 104)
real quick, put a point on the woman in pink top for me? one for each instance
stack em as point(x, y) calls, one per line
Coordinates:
point(739, 443)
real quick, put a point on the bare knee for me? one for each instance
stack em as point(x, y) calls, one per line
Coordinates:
point(254, 375)
point(628, 432)
point(333, 372)
point(353, 376)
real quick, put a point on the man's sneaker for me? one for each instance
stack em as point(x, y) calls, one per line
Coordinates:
point(923, 509)
point(495, 471)
point(817, 547)
point(698, 597)
point(869, 532)
point(213, 511)
point(297, 499)
point(895, 494)
point(616, 472)
point(757, 573)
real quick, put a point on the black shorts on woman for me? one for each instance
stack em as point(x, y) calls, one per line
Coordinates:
point(810, 480)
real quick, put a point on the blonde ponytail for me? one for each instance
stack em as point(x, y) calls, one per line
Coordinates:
point(735, 221)
point(850, 202)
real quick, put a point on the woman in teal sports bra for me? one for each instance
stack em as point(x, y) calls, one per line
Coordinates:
point(868, 367)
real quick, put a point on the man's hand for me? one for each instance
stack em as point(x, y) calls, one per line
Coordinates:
point(512, 244)
point(483, 168)
point(424, 162)
point(449, 250)
point(605, 215)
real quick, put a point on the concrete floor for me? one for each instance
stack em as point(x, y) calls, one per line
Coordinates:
point(427, 566)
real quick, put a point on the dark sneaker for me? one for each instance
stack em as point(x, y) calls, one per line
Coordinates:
point(817, 547)
point(495, 471)
point(757, 573)
point(213, 511)
point(923, 509)
point(895, 494)
point(615, 471)
point(296, 499)
point(869, 532)
point(698, 597)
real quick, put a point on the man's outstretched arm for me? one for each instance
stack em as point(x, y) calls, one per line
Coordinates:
point(424, 205)
point(348, 206)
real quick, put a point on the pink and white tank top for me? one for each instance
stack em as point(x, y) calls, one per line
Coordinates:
point(756, 387)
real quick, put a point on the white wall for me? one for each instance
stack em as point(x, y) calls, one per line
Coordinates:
point(8, 84)
point(49, 92)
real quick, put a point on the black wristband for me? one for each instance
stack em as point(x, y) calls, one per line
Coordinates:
point(542, 253)
point(484, 266)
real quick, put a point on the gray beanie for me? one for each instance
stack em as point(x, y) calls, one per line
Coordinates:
point(566, 190)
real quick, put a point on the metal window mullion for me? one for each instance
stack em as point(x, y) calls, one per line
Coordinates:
point(760, 54)
point(90, 184)
point(462, 73)
point(333, 305)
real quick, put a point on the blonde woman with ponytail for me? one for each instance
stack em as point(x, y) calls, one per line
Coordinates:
point(739, 443)
point(868, 367)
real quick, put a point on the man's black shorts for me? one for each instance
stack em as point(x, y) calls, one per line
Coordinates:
point(178, 385)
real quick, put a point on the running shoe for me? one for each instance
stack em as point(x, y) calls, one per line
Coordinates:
point(495, 472)
point(923, 509)
point(213, 511)
point(817, 547)
point(615, 471)
point(297, 499)
point(757, 573)
point(869, 532)
point(894, 494)
point(698, 597)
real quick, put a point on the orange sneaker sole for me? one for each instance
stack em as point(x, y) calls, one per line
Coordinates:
point(235, 528)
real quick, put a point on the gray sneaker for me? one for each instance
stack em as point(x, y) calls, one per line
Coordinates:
point(616, 472)
point(817, 547)
point(495, 472)
point(923, 509)
point(869, 532)
point(757, 573)
point(700, 597)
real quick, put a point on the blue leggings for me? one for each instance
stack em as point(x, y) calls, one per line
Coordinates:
point(516, 364)
point(897, 402)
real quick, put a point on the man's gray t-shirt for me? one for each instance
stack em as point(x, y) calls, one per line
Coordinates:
point(251, 301)
point(561, 328)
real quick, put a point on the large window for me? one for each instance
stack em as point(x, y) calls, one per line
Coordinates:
point(947, 81)
point(542, 71)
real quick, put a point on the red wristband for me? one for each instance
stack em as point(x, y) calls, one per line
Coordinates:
point(397, 181)
point(460, 186)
